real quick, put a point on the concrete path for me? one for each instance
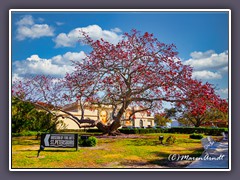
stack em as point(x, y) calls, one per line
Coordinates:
point(215, 158)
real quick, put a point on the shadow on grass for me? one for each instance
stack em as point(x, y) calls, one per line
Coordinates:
point(170, 164)
point(162, 162)
point(49, 150)
point(138, 164)
point(60, 150)
point(153, 142)
point(165, 161)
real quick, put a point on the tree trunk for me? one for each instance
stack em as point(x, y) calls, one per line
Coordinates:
point(111, 129)
point(198, 123)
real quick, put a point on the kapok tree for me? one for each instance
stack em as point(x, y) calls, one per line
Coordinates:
point(42, 91)
point(139, 72)
point(204, 109)
point(48, 94)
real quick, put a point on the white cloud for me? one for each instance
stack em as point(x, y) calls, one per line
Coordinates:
point(26, 20)
point(28, 29)
point(59, 23)
point(94, 31)
point(206, 75)
point(116, 30)
point(15, 77)
point(223, 70)
point(55, 66)
point(207, 60)
point(40, 19)
point(208, 65)
point(202, 55)
point(223, 91)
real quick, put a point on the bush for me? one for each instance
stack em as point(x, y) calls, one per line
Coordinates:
point(196, 136)
point(170, 139)
point(89, 142)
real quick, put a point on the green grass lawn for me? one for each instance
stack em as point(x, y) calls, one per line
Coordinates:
point(140, 151)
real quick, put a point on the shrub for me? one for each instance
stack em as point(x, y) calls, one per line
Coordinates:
point(170, 139)
point(89, 142)
point(196, 136)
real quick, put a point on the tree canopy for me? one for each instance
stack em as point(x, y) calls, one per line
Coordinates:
point(138, 72)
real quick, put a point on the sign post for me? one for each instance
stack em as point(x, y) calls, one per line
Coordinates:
point(58, 141)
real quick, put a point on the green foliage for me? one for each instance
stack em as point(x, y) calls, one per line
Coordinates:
point(21, 115)
point(199, 130)
point(185, 121)
point(161, 120)
point(89, 142)
point(196, 136)
point(170, 113)
point(207, 117)
point(25, 117)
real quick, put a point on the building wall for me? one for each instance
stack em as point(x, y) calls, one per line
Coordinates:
point(68, 124)
point(104, 114)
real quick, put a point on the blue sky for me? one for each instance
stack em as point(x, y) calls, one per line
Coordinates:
point(44, 42)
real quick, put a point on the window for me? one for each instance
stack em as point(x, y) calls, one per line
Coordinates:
point(141, 123)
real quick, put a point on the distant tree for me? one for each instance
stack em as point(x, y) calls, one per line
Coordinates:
point(208, 107)
point(184, 121)
point(170, 113)
point(161, 119)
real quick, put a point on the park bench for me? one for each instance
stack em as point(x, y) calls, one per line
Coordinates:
point(208, 144)
point(225, 137)
point(210, 140)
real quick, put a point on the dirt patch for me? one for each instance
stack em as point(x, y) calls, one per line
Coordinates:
point(35, 157)
point(148, 165)
point(159, 164)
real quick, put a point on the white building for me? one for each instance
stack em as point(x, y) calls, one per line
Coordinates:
point(140, 119)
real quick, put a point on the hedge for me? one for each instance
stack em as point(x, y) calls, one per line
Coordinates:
point(93, 130)
point(141, 130)
point(199, 130)
point(178, 130)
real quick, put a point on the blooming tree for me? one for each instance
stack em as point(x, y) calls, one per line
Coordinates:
point(139, 71)
point(207, 107)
